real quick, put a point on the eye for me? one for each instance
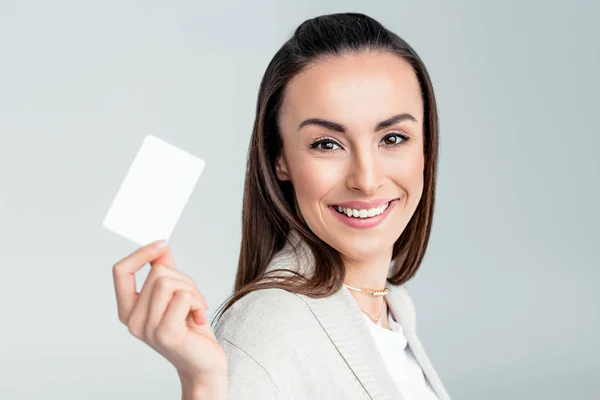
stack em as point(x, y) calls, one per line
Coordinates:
point(394, 139)
point(324, 145)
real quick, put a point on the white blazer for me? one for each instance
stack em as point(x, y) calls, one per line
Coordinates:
point(282, 345)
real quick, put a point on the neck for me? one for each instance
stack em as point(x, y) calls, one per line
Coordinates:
point(371, 274)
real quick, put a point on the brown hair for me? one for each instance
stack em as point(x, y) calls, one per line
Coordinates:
point(269, 207)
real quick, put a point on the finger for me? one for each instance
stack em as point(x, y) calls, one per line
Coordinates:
point(139, 316)
point(124, 276)
point(159, 279)
point(161, 270)
point(162, 294)
point(175, 316)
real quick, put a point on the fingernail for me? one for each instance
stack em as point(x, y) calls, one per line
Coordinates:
point(160, 243)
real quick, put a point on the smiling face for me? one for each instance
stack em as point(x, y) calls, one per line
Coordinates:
point(352, 130)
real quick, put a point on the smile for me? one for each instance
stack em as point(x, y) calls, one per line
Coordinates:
point(363, 218)
point(362, 213)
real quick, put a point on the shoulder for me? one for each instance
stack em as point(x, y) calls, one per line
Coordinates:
point(258, 334)
point(261, 315)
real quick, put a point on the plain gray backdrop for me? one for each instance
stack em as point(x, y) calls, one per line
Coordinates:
point(507, 299)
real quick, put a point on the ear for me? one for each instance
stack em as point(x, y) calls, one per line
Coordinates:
point(281, 169)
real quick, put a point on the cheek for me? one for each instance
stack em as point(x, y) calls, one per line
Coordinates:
point(409, 175)
point(414, 169)
point(310, 181)
point(404, 168)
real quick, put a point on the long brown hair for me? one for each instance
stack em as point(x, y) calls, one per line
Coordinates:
point(269, 207)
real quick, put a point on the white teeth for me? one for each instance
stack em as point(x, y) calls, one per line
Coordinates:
point(362, 213)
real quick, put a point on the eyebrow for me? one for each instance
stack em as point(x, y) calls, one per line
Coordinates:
point(334, 126)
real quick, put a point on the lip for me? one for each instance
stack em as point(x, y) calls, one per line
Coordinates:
point(361, 204)
point(363, 223)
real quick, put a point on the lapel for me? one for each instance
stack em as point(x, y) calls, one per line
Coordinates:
point(342, 320)
point(402, 309)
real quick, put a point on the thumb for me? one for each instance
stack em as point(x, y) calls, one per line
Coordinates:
point(164, 257)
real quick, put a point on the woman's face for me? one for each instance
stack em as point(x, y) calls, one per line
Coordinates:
point(352, 129)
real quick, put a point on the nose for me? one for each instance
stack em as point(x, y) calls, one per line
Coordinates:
point(365, 172)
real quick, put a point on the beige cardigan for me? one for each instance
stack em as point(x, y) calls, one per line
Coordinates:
point(282, 345)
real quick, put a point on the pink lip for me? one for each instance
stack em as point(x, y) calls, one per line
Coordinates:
point(357, 204)
point(363, 223)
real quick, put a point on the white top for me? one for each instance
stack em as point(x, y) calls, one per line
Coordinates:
point(400, 361)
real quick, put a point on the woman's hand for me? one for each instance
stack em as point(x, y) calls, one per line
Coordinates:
point(169, 315)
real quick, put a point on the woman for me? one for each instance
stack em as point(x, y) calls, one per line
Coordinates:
point(338, 206)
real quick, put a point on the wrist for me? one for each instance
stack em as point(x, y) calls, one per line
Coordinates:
point(213, 387)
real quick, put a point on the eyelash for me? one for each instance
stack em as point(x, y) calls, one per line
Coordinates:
point(314, 145)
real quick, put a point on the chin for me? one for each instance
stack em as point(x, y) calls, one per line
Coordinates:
point(363, 247)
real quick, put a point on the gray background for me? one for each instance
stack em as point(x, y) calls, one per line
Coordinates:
point(507, 295)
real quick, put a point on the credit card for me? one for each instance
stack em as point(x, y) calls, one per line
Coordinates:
point(154, 192)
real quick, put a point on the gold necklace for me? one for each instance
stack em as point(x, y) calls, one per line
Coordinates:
point(369, 291)
point(383, 292)
point(377, 320)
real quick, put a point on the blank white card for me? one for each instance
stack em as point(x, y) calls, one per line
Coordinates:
point(154, 192)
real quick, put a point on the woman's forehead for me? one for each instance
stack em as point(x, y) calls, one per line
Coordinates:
point(354, 86)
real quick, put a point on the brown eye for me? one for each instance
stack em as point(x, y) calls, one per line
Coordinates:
point(394, 139)
point(324, 145)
